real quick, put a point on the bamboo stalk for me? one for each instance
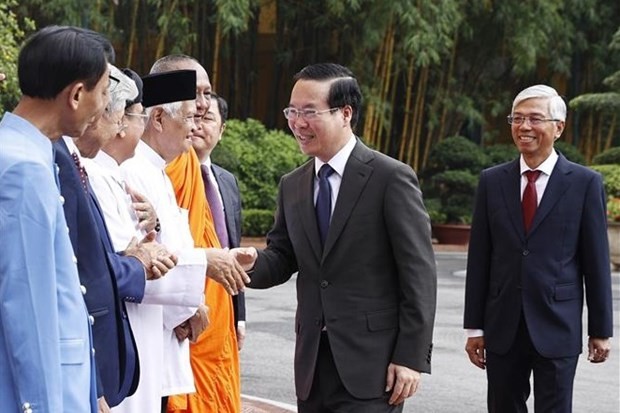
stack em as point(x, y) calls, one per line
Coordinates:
point(132, 32)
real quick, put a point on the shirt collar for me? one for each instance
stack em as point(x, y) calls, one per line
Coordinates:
point(338, 161)
point(31, 133)
point(546, 167)
point(152, 156)
point(71, 146)
point(207, 162)
point(108, 163)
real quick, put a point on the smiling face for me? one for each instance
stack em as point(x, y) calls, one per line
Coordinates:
point(209, 132)
point(535, 143)
point(325, 134)
point(177, 131)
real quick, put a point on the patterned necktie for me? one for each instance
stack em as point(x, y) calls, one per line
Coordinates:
point(529, 202)
point(215, 203)
point(324, 201)
point(81, 170)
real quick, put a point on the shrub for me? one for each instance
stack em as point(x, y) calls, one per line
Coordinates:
point(451, 178)
point(257, 222)
point(12, 32)
point(611, 178)
point(500, 153)
point(608, 157)
point(258, 158)
point(570, 152)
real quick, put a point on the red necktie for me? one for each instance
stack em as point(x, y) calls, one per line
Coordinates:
point(530, 198)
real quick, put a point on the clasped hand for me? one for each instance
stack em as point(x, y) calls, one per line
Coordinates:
point(155, 258)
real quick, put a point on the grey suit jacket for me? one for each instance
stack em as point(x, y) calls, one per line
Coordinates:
point(373, 285)
point(229, 189)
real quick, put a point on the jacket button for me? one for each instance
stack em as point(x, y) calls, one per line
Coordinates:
point(324, 283)
point(526, 253)
point(83, 289)
point(91, 320)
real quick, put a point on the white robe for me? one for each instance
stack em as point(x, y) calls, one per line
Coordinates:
point(164, 362)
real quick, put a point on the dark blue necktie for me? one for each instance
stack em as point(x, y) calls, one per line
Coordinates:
point(324, 201)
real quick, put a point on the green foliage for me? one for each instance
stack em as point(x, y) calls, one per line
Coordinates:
point(451, 179)
point(11, 35)
point(571, 152)
point(258, 158)
point(500, 153)
point(456, 152)
point(610, 156)
point(257, 222)
point(611, 178)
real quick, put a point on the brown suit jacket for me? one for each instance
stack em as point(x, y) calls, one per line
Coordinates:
point(374, 284)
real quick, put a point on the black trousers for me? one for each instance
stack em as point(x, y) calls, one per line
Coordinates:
point(328, 394)
point(509, 374)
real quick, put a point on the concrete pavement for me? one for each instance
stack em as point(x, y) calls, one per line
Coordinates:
point(455, 385)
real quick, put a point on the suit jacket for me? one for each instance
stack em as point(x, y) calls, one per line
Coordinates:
point(108, 279)
point(541, 274)
point(231, 199)
point(373, 285)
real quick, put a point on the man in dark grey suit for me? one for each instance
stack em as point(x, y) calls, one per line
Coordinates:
point(366, 283)
point(212, 126)
point(536, 245)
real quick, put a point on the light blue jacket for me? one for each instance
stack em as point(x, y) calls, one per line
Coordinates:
point(46, 358)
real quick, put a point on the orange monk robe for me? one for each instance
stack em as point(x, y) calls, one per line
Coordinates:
point(214, 357)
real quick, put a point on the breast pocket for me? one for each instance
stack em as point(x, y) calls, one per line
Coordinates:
point(72, 351)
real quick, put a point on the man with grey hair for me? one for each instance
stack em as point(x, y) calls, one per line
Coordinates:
point(538, 243)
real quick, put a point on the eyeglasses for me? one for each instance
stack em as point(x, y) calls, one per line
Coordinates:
point(306, 114)
point(140, 115)
point(532, 120)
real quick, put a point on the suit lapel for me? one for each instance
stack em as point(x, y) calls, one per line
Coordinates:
point(226, 200)
point(356, 175)
point(304, 199)
point(556, 187)
point(511, 191)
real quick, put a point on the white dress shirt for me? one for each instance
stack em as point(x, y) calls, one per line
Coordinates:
point(181, 290)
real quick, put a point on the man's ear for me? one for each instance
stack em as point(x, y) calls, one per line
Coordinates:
point(157, 116)
point(347, 113)
point(222, 129)
point(76, 93)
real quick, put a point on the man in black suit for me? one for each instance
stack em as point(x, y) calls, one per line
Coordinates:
point(366, 282)
point(108, 278)
point(205, 139)
point(536, 244)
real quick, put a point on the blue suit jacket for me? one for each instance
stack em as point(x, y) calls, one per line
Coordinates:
point(542, 274)
point(232, 210)
point(109, 280)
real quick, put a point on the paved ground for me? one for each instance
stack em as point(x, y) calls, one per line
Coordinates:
point(454, 386)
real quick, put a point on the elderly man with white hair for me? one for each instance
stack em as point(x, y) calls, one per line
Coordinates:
point(108, 279)
point(169, 99)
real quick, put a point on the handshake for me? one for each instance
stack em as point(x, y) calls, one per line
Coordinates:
point(228, 268)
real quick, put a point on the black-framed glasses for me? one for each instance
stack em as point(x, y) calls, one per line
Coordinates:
point(306, 114)
point(532, 120)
